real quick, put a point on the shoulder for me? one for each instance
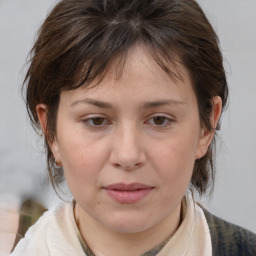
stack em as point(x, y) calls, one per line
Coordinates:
point(229, 239)
point(35, 233)
point(55, 227)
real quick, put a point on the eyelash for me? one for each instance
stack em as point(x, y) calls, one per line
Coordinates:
point(104, 121)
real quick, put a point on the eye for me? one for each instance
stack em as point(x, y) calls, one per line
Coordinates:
point(160, 121)
point(96, 121)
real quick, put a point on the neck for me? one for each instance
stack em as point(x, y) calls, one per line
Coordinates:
point(103, 241)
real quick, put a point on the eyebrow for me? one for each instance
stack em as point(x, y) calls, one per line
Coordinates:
point(146, 105)
point(162, 103)
point(97, 103)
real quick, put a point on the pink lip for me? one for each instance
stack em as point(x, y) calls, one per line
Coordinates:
point(128, 193)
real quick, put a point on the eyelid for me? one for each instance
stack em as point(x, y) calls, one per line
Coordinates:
point(167, 116)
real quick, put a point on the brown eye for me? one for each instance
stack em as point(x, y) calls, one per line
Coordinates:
point(97, 121)
point(159, 120)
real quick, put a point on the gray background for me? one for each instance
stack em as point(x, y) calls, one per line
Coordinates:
point(22, 162)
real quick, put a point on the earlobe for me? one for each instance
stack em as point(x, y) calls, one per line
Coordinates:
point(204, 142)
point(206, 135)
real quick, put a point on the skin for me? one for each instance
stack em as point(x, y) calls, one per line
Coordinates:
point(131, 140)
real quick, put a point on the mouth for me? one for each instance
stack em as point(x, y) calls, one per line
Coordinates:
point(128, 193)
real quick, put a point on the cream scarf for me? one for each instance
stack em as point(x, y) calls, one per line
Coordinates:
point(55, 234)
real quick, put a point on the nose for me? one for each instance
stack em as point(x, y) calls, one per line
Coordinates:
point(128, 152)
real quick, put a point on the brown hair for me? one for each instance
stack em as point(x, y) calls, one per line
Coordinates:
point(80, 39)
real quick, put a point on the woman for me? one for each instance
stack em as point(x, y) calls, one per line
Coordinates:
point(129, 96)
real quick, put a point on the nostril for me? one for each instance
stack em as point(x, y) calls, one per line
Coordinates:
point(129, 167)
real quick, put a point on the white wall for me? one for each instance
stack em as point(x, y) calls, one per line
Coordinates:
point(22, 164)
point(235, 191)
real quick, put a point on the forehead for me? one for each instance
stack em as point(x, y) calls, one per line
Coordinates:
point(138, 74)
point(140, 59)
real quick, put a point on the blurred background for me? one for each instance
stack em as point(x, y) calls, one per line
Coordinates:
point(22, 162)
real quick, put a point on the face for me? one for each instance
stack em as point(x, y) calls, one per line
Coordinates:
point(128, 145)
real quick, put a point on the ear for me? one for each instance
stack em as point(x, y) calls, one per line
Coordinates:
point(41, 110)
point(206, 135)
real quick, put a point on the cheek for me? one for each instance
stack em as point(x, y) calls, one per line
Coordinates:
point(82, 166)
point(175, 159)
point(82, 160)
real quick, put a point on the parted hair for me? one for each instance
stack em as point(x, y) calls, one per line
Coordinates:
point(80, 39)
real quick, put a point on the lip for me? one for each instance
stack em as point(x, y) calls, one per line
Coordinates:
point(128, 193)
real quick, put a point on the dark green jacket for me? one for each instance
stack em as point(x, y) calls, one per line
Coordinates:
point(229, 239)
